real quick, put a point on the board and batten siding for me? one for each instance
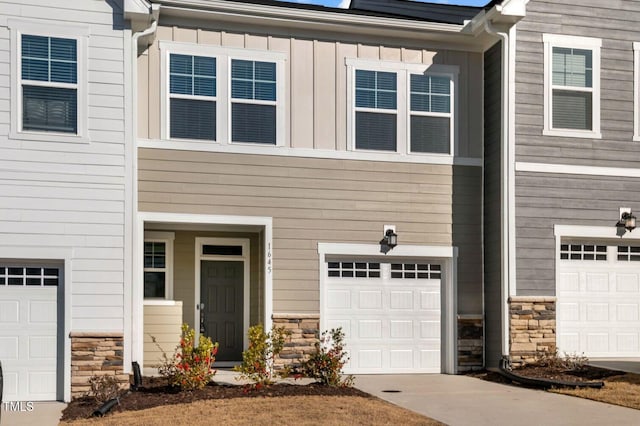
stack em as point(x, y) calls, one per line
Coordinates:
point(615, 22)
point(575, 200)
point(316, 83)
point(71, 195)
point(319, 200)
point(492, 204)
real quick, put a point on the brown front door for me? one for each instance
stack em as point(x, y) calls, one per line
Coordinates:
point(221, 297)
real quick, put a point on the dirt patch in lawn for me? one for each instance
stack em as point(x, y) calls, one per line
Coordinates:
point(282, 403)
point(620, 388)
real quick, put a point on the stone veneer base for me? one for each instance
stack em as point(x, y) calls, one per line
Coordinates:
point(96, 354)
point(532, 328)
point(304, 335)
point(470, 343)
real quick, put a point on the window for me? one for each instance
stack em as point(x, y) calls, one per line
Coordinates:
point(572, 86)
point(158, 265)
point(48, 86)
point(583, 252)
point(207, 87)
point(376, 110)
point(401, 107)
point(636, 91)
point(253, 101)
point(29, 276)
point(415, 271)
point(353, 269)
point(192, 92)
point(430, 113)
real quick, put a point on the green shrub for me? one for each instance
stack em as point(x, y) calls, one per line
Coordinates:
point(190, 366)
point(258, 360)
point(325, 365)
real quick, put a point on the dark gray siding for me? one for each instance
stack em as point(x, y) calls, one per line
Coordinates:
point(492, 211)
point(615, 22)
point(574, 200)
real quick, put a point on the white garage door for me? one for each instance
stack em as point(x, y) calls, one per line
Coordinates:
point(598, 299)
point(390, 313)
point(28, 330)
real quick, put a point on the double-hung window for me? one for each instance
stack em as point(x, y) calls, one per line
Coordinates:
point(402, 108)
point(158, 265)
point(572, 86)
point(223, 95)
point(48, 86)
point(253, 101)
point(192, 97)
point(376, 110)
point(431, 118)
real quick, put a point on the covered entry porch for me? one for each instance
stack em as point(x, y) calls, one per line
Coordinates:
point(211, 272)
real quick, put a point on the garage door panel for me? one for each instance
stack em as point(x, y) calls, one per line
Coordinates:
point(597, 282)
point(568, 311)
point(8, 348)
point(370, 299)
point(627, 342)
point(430, 300)
point(42, 311)
point(399, 358)
point(401, 329)
point(339, 299)
point(402, 300)
point(369, 329)
point(42, 347)
point(9, 312)
point(627, 312)
point(627, 283)
point(597, 312)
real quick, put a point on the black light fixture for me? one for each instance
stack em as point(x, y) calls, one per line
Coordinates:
point(390, 239)
point(627, 221)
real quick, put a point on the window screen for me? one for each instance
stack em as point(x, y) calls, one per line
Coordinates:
point(376, 110)
point(253, 105)
point(49, 73)
point(193, 89)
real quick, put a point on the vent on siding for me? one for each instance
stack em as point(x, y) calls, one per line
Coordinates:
point(415, 271)
point(29, 275)
point(583, 252)
point(629, 253)
point(353, 269)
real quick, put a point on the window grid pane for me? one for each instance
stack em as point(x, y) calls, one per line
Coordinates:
point(29, 276)
point(376, 90)
point(49, 59)
point(572, 67)
point(253, 80)
point(586, 251)
point(192, 75)
point(356, 269)
point(430, 93)
point(416, 271)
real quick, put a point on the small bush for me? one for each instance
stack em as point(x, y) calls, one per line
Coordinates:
point(104, 388)
point(190, 367)
point(570, 362)
point(258, 360)
point(325, 365)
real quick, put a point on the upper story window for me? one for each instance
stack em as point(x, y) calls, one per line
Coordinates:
point(49, 90)
point(253, 101)
point(192, 93)
point(403, 108)
point(224, 95)
point(572, 86)
point(636, 91)
point(376, 110)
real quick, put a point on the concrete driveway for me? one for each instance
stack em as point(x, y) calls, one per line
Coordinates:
point(630, 365)
point(462, 400)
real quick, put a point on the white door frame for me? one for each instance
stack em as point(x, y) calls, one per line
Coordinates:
point(244, 258)
point(449, 309)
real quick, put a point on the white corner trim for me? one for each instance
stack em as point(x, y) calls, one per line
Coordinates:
point(589, 43)
point(636, 91)
point(449, 257)
point(577, 170)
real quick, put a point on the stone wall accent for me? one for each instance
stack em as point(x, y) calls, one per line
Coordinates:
point(304, 335)
point(532, 328)
point(470, 343)
point(96, 353)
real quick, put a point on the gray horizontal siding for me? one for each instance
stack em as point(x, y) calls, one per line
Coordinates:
point(544, 200)
point(615, 22)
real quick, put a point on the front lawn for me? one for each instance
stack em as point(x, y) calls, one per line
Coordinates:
point(623, 389)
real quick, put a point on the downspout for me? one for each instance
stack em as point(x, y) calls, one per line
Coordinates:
point(507, 181)
point(137, 291)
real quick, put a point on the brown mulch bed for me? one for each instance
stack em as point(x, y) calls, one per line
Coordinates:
point(585, 374)
point(155, 392)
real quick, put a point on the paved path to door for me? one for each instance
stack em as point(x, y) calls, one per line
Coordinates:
point(462, 400)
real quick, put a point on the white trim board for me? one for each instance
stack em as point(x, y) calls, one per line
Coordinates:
point(449, 258)
point(577, 170)
point(636, 91)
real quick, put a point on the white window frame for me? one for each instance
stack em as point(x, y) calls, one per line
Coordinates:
point(167, 238)
point(588, 43)
point(403, 71)
point(223, 56)
point(80, 34)
point(636, 91)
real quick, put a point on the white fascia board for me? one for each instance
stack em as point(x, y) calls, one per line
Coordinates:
point(442, 252)
point(581, 231)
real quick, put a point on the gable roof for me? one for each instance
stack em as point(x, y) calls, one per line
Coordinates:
point(432, 12)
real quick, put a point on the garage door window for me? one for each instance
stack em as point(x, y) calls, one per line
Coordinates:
point(583, 252)
point(629, 253)
point(29, 276)
point(354, 269)
point(415, 271)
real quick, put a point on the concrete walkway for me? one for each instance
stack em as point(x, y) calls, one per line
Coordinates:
point(630, 365)
point(462, 400)
point(42, 414)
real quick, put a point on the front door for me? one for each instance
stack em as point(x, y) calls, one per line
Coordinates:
point(221, 297)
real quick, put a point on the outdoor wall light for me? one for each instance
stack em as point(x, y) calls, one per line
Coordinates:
point(627, 221)
point(390, 239)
